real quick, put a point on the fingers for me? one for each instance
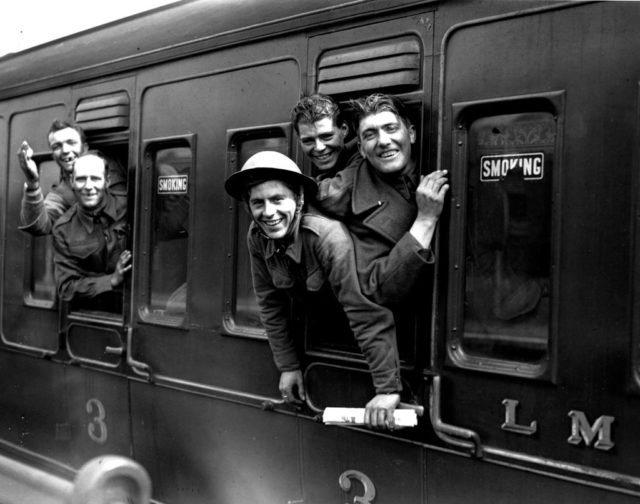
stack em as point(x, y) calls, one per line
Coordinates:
point(124, 264)
point(289, 395)
point(125, 257)
point(289, 382)
point(27, 164)
point(378, 413)
point(25, 150)
point(301, 391)
point(435, 182)
point(379, 418)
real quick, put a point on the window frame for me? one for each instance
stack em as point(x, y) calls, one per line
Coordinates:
point(236, 244)
point(463, 116)
point(29, 245)
point(150, 147)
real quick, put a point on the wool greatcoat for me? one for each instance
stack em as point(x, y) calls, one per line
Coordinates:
point(379, 213)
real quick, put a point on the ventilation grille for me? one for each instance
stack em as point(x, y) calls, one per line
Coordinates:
point(380, 66)
point(107, 112)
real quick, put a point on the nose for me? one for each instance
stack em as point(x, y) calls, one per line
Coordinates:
point(319, 145)
point(384, 138)
point(269, 209)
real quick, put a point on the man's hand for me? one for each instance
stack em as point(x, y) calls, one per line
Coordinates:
point(430, 196)
point(289, 381)
point(378, 413)
point(28, 165)
point(122, 266)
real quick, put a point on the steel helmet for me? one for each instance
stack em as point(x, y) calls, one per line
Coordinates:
point(267, 165)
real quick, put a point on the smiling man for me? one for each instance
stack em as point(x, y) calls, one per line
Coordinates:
point(390, 211)
point(294, 253)
point(322, 134)
point(67, 142)
point(90, 238)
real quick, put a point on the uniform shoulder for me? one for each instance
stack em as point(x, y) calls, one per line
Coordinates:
point(66, 217)
point(319, 223)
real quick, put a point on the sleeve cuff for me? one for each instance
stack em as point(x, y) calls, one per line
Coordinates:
point(426, 254)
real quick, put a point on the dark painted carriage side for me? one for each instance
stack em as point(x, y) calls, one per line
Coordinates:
point(185, 385)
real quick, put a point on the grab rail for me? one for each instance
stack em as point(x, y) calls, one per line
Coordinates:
point(101, 478)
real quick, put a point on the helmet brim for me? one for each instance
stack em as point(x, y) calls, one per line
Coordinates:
point(240, 182)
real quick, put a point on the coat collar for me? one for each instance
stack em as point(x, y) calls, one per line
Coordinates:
point(108, 208)
point(293, 247)
point(391, 215)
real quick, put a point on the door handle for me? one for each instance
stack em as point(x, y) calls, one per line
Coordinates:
point(451, 434)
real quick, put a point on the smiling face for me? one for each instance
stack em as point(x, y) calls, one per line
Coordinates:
point(322, 141)
point(273, 207)
point(66, 145)
point(385, 141)
point(89, 181)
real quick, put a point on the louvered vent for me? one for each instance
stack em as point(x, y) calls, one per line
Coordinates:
point(106, 112)
point(389, 64)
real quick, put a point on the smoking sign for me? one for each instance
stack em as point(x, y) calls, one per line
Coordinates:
point(173, 184)
point(496, 168)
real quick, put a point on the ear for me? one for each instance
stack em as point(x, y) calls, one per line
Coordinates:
point(412, 133)
point(360, 149)
point(344, 129)
point(85, 147)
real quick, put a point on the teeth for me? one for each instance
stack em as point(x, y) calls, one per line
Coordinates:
point(388, 154)
point(272, 223)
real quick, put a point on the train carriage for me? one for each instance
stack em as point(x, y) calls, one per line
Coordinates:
point(524, 355)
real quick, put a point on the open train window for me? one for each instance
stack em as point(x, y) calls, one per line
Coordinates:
point(502, 274)
point(169, 163)
point(241, 313)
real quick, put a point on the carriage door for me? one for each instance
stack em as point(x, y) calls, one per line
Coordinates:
point(533, 323)
point(386, 56)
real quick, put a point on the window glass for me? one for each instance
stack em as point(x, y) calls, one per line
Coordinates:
point(41, 285)
point(170, 231)
point(508, 245)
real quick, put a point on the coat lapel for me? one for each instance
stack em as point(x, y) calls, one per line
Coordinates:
point(389, 214)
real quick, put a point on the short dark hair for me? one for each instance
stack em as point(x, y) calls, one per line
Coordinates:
point(313, 108)
point(60, 124)
point(376, 103)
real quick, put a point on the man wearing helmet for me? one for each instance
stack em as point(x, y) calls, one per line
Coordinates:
point(293, 252)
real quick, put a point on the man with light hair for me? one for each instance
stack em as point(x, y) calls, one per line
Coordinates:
point(90, 239)
point(67, 142)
